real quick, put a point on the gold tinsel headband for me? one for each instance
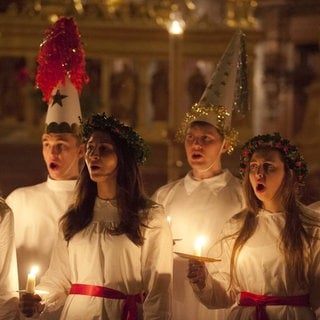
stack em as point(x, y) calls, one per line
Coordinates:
point(197, 111)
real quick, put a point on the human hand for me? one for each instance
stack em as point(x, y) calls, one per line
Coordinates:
point(197, 273)
point(30, 304)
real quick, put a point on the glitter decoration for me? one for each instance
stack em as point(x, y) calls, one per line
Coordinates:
point(61, 55)
point(290, 152)
point(228, 85)
point(106, 123)
point(241, 104)
point(198, 112)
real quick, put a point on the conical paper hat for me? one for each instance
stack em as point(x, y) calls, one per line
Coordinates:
point(64, 111)
point(226, 91)
point(60, 76)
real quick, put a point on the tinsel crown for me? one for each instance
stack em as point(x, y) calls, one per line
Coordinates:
point(292, 157)
point(61, 55)
point(106, 123)
point(197, 112)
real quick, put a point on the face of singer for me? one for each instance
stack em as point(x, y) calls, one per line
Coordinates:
point(266, 175)
point(61, 153)
point(204, 146)
point(100, 157)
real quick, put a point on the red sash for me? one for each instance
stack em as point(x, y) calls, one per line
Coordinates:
point(248, 299)
point(129, 311)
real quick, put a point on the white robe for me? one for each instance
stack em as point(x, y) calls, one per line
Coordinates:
point(95, 257)
point(315, 206)
point(197, 208)
point(8, 266)
point(260, 269)
point(37, 210)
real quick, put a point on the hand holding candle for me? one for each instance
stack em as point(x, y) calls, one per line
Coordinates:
point(198, 246)
point(31, 280)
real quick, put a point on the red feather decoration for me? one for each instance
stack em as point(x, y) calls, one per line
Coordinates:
point(61, 54)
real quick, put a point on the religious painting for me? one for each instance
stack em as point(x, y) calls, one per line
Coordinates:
point(160, 91)
point(124, 91)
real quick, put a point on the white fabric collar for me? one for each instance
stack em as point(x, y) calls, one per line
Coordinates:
point(215, 183)
point(61, 185)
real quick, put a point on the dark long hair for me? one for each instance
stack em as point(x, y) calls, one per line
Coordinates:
point(294, 237)
point(132, 201)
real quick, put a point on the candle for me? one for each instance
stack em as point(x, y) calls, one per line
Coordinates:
point(31, 280)
point(200, 241)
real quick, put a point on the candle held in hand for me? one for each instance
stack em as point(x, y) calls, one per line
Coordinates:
point(200, 241)
point(31, 280)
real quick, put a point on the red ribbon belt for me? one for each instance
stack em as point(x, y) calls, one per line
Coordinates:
point(248, 299)
point(129, 311)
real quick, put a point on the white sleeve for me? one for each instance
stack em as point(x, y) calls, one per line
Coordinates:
point(8, 267)
point(217, 293)
point(157, 261)
point(55, 283)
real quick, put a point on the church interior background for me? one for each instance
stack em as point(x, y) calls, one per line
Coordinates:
point(149, 77)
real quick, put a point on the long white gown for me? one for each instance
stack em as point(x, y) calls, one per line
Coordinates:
point(197, 208)
point(8, 266)
point(37, 210)
point(95, 257)
point(260, 269)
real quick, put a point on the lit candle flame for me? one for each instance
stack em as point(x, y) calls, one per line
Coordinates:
point(34, 269)
point(31, 280)
point(169, 220)
point(199, 243)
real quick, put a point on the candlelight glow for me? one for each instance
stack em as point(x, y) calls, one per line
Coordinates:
point(176, 27)
point(34, 269)
point(169, 220)
point(31, 280)
point(198, 245)
point(176, 24)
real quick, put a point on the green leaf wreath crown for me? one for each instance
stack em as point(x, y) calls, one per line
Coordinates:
point(290, 152)
point(106, 123)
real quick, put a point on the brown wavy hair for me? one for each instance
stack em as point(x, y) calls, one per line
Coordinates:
point(132, 202)
point(294, 237)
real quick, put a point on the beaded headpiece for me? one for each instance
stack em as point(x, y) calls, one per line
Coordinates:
point(226, 92)
point(289, 151)
point(106, 123)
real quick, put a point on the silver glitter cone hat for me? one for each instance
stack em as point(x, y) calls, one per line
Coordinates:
point(226, 92)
